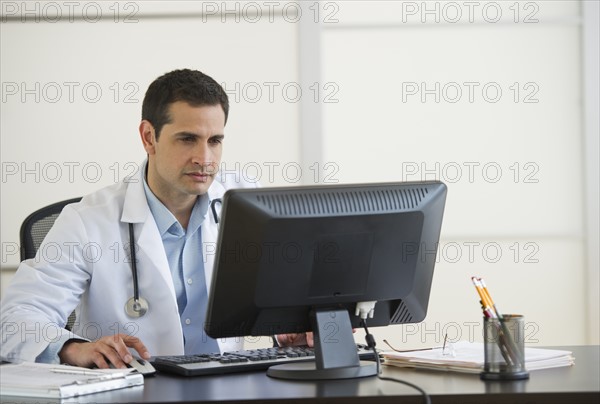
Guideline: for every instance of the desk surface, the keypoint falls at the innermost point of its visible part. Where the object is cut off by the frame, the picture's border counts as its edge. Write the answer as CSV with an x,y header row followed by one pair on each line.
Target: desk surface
x,y
576,384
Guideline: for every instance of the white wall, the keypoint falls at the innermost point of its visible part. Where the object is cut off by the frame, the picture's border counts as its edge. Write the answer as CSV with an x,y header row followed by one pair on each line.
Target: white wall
x,y
57,145
510,151
515,166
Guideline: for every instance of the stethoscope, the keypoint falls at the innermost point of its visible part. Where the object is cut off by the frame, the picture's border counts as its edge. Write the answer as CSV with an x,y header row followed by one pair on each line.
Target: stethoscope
x,y
137,306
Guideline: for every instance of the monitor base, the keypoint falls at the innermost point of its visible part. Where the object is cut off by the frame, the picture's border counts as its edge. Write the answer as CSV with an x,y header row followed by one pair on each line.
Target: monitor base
x,y
309,371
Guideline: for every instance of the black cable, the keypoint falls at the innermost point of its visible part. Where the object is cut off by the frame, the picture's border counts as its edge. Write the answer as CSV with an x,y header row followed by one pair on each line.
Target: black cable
x,y
371,344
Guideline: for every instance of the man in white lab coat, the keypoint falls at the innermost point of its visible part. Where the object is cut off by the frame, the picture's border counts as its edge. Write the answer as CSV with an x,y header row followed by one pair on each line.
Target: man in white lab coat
x,y
168,202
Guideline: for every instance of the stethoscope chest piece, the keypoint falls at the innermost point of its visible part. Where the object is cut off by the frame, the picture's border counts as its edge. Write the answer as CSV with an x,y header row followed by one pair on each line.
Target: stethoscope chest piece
x,y
136,308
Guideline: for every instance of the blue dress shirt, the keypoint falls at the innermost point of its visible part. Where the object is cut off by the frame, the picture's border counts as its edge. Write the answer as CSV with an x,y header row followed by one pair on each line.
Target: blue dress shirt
x,y
184,254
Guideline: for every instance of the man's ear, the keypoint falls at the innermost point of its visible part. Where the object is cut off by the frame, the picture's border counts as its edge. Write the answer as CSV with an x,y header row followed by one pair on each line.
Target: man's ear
x,y
148,136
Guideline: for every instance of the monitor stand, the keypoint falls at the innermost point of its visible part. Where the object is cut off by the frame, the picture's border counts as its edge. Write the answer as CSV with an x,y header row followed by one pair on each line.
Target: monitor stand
x,y
336,356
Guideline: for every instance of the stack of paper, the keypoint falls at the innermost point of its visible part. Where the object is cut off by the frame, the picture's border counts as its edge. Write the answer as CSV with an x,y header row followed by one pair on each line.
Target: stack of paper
x,y
468,357
61,381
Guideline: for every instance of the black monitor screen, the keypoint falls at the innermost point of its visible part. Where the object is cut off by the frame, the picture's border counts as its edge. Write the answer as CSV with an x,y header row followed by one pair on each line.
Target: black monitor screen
x,y
285,253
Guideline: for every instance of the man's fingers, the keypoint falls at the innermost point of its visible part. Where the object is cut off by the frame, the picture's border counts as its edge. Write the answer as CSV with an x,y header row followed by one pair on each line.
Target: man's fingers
x,y
138,345
115,350
296,339
310,339
100,360
286,339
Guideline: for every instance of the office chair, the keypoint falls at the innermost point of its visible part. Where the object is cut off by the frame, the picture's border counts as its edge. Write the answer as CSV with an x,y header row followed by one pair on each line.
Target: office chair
x,y
34,230
36,226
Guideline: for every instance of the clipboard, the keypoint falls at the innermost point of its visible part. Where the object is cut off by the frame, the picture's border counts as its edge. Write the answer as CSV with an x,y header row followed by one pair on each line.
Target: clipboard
x,y
62,381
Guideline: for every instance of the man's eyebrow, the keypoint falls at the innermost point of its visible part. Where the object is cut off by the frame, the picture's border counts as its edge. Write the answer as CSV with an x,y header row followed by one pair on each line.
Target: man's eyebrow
x,y
184,133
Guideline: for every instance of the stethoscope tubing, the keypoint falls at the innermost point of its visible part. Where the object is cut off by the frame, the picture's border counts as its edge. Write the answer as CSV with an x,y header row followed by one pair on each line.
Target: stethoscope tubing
x,y
214,209
136,306
134,271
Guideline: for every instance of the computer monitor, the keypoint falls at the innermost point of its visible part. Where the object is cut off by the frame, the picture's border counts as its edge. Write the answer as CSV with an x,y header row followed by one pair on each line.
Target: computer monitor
x,y
296,259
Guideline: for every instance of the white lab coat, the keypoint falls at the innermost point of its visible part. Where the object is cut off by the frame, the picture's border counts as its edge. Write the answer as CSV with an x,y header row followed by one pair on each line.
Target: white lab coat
x,y
84,265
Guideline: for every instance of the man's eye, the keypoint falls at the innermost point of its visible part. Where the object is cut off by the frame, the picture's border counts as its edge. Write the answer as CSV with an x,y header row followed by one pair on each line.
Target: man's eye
x,y
216,140
188,139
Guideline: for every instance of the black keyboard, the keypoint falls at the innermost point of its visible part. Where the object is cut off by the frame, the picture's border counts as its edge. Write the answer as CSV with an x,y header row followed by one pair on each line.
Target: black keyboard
x,y
241,361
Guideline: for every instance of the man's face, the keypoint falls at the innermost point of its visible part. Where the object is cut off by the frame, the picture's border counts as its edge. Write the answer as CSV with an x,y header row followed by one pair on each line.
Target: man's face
x,y
183,162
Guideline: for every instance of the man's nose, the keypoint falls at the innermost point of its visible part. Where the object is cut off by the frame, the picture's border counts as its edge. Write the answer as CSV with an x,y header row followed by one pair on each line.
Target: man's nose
x,y
203,155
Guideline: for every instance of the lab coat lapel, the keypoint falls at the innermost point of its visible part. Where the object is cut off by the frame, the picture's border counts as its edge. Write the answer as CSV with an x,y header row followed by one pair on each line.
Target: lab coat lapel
x,y
151,254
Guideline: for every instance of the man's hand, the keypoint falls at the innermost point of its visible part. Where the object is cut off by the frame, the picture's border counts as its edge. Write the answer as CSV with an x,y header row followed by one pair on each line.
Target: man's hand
x,y
295,339
298,339
108,349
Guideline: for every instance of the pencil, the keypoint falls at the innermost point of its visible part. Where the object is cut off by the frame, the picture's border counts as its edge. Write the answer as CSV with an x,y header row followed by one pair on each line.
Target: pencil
x,y
505,343
514,351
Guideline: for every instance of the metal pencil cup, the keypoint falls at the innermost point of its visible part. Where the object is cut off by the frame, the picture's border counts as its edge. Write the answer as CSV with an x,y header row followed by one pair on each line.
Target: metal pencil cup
x,y
504,348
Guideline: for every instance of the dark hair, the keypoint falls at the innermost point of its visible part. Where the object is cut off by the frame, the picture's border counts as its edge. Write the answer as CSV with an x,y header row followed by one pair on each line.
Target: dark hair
x,y
191,86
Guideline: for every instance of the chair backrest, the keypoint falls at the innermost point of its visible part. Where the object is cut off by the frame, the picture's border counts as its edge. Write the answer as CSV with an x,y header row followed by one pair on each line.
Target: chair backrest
x,y
34,230
36,226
